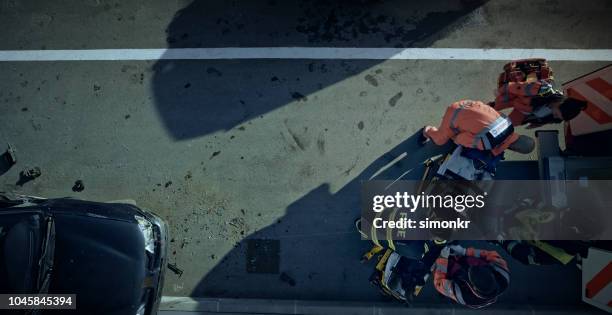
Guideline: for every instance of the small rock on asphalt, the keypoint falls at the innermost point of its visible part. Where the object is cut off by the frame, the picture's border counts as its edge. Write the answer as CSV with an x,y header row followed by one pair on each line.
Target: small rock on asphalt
x,y
78,186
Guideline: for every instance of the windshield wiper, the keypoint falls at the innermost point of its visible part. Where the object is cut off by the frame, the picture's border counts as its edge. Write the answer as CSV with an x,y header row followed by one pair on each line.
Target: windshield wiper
x,y
45,264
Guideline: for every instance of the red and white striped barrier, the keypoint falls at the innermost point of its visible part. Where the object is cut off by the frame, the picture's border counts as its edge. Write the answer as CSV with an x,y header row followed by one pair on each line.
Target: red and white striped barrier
x,y
596,89
597,279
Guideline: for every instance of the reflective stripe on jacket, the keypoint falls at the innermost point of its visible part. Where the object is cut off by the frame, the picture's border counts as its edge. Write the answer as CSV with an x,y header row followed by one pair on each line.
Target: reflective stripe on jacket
x,y
467,124
443,276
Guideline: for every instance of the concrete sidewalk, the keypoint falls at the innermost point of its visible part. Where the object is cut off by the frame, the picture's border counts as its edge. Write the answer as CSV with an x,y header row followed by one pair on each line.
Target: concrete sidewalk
x,y
201,306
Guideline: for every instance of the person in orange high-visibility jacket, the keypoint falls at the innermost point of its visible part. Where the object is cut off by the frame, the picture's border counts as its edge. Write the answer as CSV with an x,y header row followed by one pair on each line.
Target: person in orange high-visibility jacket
x,y
536,103
476,125
471,277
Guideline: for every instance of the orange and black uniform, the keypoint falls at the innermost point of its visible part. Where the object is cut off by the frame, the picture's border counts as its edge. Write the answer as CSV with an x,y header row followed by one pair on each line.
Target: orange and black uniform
x,y
519,96
470,124
446,270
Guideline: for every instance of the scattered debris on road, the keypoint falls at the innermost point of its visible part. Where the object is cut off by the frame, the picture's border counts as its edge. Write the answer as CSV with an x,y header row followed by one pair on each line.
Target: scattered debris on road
x,y
284,277
214,154
299,96
211,70
78,186
371,80
177,271
395,98
7,159
31,172
9,155
28,174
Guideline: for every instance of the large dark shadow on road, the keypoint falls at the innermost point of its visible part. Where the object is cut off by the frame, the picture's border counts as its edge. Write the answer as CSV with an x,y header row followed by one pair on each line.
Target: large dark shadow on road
x,y
319,246
199,97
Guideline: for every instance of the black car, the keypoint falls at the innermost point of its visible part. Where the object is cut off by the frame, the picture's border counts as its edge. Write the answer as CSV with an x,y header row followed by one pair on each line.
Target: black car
x,y
111,255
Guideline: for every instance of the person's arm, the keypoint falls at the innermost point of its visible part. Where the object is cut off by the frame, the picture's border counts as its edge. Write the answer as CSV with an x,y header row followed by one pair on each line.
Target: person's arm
x,y
441,281
520,251
444,133
511,90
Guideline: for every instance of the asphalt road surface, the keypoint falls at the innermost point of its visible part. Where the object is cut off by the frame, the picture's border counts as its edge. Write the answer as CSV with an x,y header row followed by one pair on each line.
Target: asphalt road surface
x,y
232,150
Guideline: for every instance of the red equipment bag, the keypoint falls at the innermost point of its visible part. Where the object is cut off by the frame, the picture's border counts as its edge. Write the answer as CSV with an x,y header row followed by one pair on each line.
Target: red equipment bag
x,y
520,70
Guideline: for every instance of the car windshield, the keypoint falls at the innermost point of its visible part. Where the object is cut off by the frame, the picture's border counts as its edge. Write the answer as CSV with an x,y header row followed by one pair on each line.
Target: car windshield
x,y
33,236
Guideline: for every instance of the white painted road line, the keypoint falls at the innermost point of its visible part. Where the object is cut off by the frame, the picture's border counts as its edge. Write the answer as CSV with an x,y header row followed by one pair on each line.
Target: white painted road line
x,y
307,53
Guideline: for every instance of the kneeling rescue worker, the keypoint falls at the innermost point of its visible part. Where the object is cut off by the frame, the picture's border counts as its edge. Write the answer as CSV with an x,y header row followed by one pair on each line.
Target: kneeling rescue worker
x,y
476,125
471,277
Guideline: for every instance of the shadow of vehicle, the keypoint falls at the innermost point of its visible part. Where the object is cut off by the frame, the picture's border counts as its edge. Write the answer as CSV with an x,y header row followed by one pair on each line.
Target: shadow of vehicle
x,y
199,97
